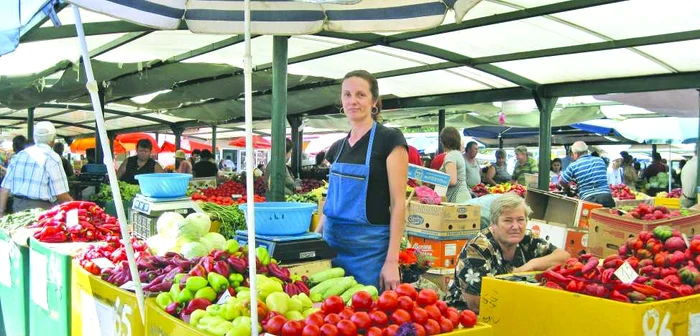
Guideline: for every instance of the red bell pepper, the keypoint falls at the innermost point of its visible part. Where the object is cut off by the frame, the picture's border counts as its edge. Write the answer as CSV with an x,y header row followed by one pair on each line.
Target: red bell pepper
x,y
617,296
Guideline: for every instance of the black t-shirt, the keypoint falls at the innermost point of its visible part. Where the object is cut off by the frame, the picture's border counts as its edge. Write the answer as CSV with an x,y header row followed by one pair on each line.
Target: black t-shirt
x,y
385,140
205,169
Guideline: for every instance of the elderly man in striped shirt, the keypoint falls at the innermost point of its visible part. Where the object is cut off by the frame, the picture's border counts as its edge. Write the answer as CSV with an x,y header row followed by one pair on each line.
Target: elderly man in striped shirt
x,y
590,174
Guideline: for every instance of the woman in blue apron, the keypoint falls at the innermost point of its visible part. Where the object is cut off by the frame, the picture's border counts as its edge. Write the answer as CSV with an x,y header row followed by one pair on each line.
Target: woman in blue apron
x,y
365,209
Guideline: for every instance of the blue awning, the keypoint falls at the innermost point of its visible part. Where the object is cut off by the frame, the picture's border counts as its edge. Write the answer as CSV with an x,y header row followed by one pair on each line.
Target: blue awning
x,y
14,15
492,132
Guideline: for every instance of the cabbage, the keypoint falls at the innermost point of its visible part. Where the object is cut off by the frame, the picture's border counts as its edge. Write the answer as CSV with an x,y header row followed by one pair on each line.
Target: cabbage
x,y
160,245
214,240
201,220
179,242
167,224
193,249
189,229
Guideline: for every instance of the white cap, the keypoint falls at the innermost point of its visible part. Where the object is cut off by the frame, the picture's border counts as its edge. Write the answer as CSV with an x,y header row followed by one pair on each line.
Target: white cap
x,y
44,132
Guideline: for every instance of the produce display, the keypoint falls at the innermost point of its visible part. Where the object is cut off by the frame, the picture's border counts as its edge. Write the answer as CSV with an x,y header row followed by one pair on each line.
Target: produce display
x,y
665,265
427,195
481,189
75,221
110,254
231,187
313,196
127,190
308,185
675,193
230,217
658,181
401,312
189,235
648,212
19,219
334,282
623,192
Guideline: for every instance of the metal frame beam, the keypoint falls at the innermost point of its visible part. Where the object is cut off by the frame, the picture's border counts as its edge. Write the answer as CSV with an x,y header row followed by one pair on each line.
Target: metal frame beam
x,y
63,123
107,110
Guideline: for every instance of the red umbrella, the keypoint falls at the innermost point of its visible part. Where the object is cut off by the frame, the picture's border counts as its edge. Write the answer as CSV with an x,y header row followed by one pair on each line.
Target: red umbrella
x,y
169,148
192,145
79,146
258,142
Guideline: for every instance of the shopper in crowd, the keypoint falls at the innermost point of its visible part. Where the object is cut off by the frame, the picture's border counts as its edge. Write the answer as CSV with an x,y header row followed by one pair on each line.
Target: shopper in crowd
x,y
205,167
194,157
629,172
228,163
555,170
90,157
437,161
19,143
567,159
182,165
141,163
615,171
504,247
35,178
289,185
498,172
655,167
590,174
689,182
454,165
321,159
524,165
58,148
472,169
365,209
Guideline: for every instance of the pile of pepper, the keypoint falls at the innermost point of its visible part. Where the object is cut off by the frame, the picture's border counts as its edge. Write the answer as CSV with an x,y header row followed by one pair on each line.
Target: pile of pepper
x,y
666,267
113,250
76,221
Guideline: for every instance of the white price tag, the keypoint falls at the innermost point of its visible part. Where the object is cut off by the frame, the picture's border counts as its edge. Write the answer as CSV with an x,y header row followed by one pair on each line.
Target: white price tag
x,y
103,263
110,320
72,218
129,285
686,240
224,297
39,279
5,278
694,324
626,273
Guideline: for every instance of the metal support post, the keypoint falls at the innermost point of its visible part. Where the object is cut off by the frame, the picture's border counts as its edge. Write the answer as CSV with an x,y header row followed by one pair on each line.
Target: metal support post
x,y
546,106
297,136
441,126
30,125
277,172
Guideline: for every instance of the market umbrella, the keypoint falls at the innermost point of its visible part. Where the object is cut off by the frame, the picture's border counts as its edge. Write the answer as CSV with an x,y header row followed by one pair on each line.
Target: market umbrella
x,y
186,146
258,142
169,147
129,140
79,146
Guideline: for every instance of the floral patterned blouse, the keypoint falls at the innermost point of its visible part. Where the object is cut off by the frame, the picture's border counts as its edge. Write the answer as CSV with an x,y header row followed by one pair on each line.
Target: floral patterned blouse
x,y
482,256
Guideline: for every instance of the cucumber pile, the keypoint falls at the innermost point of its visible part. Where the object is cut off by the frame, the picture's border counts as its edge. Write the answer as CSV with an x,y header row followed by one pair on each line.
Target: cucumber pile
x,y
334,282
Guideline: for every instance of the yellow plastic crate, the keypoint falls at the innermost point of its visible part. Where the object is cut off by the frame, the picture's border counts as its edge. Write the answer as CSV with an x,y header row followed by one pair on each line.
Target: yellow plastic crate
x,y
480,329
670,203
160,323
101,308
515,308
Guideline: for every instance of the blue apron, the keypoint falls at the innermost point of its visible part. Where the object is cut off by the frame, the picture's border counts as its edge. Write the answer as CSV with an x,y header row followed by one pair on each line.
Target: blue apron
x,y
361,246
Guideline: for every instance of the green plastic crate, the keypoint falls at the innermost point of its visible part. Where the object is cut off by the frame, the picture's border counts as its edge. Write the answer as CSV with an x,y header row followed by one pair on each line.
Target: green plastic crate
x,y
50,288
14,287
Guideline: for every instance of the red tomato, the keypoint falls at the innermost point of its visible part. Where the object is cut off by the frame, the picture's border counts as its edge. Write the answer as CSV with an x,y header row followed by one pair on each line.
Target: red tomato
x,y
374,331
400,317
453,309
442,305
315,319
467,318
420,331
333,304
427,297
432,327
446,325
405,303
329,330
361,320
454,317
346,314
387,301
292,328
312,330
332,318
379,318
407,290
275,324
347,328
391,330
419,315
433,312
361,301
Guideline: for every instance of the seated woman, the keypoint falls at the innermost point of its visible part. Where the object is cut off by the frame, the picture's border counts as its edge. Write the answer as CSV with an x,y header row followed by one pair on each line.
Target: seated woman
x,y
502,248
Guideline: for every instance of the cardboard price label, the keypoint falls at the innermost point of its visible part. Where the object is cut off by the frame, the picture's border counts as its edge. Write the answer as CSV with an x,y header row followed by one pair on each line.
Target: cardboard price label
x,y
432,176
626,273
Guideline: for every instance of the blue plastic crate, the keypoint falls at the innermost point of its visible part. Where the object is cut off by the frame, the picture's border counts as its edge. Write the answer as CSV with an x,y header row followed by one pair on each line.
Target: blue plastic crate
x,y
281,218
162,185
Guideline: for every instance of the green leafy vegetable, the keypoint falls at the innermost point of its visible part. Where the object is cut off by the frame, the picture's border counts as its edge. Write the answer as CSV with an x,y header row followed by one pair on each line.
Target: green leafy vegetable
x,y
127,190
230,217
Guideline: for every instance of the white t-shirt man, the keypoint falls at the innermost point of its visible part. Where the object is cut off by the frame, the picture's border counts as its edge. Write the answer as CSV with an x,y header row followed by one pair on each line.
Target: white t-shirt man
x,y
688,182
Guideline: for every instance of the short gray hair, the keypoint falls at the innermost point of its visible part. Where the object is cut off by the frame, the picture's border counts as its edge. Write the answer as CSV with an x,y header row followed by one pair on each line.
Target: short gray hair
x,y
579,147
521,149
507,202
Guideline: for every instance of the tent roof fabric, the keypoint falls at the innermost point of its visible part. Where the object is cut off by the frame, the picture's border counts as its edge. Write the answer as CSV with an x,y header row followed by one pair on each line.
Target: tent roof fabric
x,y
499,51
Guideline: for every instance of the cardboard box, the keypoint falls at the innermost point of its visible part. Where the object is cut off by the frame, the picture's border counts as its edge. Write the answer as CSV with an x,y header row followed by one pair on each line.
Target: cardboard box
x,y
442,277
553,233
506,305
608,231
446,221
576,242
558,209
445,252
308,268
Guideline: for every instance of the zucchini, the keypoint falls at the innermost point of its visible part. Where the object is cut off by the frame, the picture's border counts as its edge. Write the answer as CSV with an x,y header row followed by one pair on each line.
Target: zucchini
x,y
336,272
347,295
323,286
339,287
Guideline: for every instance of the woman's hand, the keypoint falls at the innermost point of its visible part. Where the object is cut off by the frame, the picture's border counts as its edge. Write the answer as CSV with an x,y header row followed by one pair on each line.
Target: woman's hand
x,y
389,277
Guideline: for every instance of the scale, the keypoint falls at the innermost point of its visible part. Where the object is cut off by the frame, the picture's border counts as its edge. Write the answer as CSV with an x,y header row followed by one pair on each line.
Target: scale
x,y
292,249
146,210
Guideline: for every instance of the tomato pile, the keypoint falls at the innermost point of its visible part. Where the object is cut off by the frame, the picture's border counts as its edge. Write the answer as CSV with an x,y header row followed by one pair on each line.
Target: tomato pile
x,y
113,250
621,191
75,221
666,268
647,212
404,311
226,189
220,200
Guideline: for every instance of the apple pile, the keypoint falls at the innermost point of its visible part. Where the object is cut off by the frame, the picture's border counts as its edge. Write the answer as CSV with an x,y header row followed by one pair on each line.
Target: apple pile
x,y
621,191
649,212
403,311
